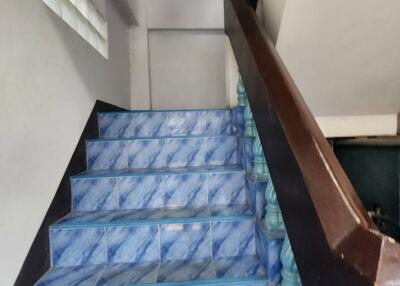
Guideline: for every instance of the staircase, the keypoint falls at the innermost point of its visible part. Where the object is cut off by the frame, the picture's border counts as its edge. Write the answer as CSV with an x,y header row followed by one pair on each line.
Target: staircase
x,y
168,198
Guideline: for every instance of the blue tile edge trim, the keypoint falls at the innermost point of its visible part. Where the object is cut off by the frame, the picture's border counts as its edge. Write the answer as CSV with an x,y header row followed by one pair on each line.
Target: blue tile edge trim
x,y
211,282
168,110
160,138
137,173
153,222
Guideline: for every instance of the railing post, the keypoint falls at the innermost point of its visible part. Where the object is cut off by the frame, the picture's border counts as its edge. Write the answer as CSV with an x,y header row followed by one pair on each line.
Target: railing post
x,y
290,274
241,92
273,218
259,164
249,125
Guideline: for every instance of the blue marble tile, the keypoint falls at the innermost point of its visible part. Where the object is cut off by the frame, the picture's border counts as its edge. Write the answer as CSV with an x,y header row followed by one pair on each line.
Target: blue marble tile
x,y
233,238
77,218
148,124
268,250
133,244
106,155
185,190
184,123
241,152
250,199
74,247
71,276
185,152
235,267
142,192
185,241
217,122
113,125
129,274
232,210
181,271
221,150
94,194
146,154
248,154
256,195
226,189
238,119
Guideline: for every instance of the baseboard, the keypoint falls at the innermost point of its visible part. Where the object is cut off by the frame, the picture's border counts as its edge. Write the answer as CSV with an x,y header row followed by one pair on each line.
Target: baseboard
x,y
356,126
37,262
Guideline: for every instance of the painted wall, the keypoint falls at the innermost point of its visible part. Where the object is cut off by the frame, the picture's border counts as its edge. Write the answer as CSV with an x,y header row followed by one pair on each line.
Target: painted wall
x,y
344,57
49,81
271,13
178,54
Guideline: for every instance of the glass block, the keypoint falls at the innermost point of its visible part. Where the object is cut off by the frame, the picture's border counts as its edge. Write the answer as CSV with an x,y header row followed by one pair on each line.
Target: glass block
x,y
82,6
68,13
54,5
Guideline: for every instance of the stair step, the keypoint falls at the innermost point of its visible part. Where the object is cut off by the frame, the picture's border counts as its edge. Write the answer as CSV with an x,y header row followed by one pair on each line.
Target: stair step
x,y
162,152
246,270
83,238
149,189
165,123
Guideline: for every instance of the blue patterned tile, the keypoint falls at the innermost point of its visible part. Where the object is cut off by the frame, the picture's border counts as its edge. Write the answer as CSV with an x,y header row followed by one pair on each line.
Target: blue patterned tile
x,y
185,152
106,155
238,119
256,195
181,271
233,238
148,124
146,154
133,244
129,274
226,189
185,241
221,151
184,123
144,192
80,218
113,125
234,267
268,250
94,194
232,210
248,154
71,276
241,152
185,190
73,247
217,122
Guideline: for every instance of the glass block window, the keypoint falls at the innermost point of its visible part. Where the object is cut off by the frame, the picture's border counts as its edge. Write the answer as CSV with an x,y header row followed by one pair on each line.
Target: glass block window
x,y
83,17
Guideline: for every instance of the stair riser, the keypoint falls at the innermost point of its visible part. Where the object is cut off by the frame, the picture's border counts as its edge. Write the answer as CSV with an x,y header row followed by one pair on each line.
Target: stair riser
x,y
139,243
162,153
268,247
162,123
194,190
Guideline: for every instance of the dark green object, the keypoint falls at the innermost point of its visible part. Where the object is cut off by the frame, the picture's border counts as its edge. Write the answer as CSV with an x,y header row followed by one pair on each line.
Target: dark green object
x,y
373,167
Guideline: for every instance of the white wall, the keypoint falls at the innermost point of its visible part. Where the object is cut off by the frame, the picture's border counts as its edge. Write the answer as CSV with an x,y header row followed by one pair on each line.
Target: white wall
x,y
49,81
271,13
170,64
187,69
344,56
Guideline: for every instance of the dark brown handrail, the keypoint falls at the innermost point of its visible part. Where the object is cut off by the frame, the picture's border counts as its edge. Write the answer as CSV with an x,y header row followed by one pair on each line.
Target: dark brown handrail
x,y
334,240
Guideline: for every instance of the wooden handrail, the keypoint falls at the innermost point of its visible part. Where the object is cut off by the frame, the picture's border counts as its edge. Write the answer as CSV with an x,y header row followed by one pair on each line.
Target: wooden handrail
x,y
334,240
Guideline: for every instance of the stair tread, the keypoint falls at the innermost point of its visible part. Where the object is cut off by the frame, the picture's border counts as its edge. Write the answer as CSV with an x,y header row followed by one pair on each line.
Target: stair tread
x,y
149,171
167,110
245,270
154,216
174,137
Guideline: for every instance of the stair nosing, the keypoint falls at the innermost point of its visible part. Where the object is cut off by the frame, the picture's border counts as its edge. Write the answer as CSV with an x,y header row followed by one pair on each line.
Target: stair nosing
x,y
141,222
167,110
163,138
142,172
